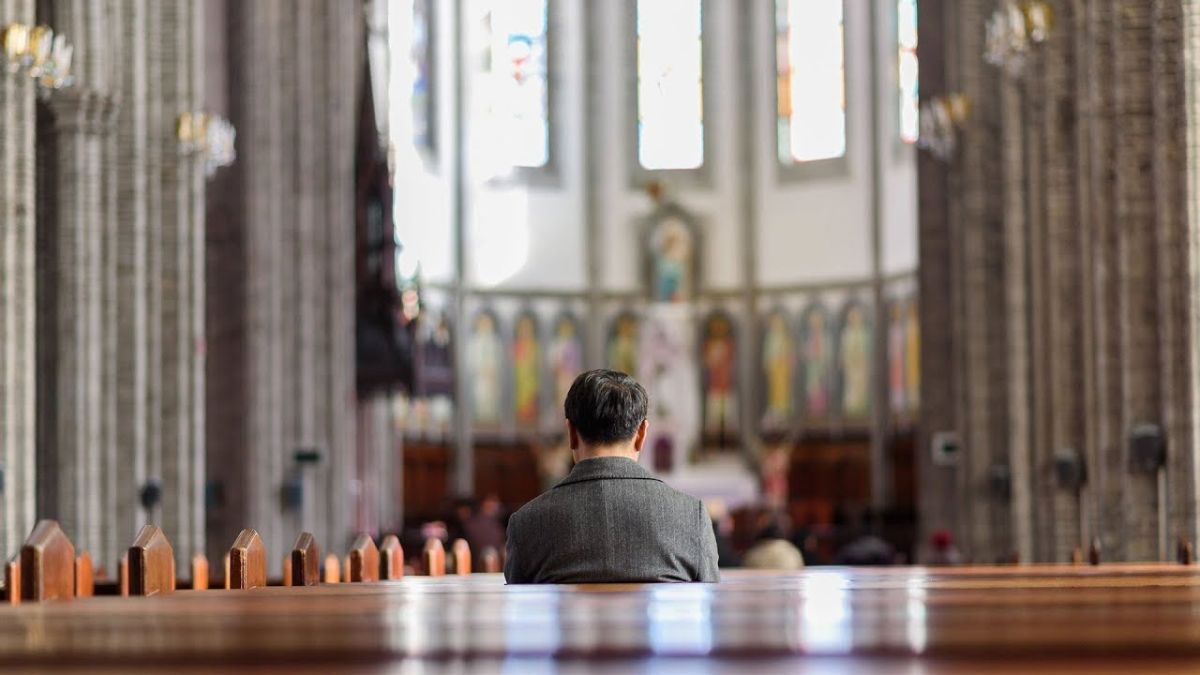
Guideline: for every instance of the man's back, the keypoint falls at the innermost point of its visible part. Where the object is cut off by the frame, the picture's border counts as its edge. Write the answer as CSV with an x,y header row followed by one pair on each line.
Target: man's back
x,y
610,520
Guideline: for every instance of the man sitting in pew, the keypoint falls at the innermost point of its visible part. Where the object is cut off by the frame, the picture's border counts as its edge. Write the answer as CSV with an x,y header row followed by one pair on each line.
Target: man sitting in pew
x,y
610,520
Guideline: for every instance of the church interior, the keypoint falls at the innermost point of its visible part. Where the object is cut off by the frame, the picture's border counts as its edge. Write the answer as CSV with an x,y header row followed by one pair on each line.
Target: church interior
x,y
913,287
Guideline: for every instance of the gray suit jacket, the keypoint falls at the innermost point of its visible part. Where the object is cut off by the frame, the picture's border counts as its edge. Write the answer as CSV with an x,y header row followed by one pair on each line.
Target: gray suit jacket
x,y
610,520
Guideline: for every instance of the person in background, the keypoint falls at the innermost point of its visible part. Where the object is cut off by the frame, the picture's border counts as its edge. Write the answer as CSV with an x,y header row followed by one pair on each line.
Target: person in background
x,y
483,528
772,550
944,551
723,531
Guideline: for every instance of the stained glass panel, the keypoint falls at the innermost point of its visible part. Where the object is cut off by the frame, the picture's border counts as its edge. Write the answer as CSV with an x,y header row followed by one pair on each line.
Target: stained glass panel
x,y
810,80
670,93
906,33
518,97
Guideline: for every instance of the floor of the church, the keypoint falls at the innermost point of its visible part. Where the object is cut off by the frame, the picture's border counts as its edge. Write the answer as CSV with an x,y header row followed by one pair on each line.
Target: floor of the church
x,y
1107,619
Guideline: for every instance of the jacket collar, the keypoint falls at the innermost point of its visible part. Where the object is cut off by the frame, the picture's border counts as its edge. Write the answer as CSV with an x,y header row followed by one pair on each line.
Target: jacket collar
x,y
606,468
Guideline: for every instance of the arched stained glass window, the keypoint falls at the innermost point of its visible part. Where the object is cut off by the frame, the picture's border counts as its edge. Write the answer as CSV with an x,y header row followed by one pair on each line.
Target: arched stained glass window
x,y
906,39
810,80
516,92
670,84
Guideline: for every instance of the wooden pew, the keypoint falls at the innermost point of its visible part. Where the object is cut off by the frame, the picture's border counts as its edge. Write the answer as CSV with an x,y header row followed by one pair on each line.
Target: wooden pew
x,y
85,578
305,561
151,563
435,558
12,580
391,559
364,560
333,569
199,572
47,564
490,560
247,561
461,551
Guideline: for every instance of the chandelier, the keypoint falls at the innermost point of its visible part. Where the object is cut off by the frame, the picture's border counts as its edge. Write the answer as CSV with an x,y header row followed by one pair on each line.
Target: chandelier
x,y
1012,31
39,54
210,136
941,119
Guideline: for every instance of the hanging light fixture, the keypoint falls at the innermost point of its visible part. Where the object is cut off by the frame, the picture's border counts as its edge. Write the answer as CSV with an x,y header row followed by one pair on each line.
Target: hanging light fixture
x,y
1012,31
211,136
39,54
942,117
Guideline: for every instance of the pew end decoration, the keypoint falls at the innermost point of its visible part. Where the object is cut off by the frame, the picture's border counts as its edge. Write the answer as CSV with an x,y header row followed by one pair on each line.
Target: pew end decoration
x,y
85,576
305,561
47,564
490,559
364,560
247,561
461,551
12,581
333,569
435,558
391,559
199,572
123,575
151,563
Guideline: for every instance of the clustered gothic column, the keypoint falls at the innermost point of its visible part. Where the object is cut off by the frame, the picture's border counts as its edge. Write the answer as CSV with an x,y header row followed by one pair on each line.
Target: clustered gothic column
x,y
281,241
1075,328
18,364
121,247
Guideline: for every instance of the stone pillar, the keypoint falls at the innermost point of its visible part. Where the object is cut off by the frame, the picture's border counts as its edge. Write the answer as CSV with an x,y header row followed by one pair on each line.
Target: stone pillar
x,y
18,319
1136,192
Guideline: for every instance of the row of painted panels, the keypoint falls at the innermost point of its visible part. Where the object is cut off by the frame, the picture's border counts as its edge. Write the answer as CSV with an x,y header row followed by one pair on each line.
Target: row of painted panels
x,y
813,368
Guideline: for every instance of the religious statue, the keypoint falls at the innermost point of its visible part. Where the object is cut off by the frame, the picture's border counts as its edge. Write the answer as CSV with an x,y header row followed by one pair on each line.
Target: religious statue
x,y
912,360
525,370
856,364
774,465
817,364
485,354
566,358
779,363
672,246
897,391
623,345
720,394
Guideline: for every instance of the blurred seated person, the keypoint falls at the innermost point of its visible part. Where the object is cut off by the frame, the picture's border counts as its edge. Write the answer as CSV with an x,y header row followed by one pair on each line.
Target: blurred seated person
x,y
773,551
944,551
866,550
483,527
610,520
723,531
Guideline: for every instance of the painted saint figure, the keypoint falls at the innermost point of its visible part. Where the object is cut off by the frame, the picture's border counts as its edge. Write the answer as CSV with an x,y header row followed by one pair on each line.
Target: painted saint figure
x,y
720,395
672,261
779,364
525,371
485,355
912,361
897,391
817,364
623,346
856,364
566,360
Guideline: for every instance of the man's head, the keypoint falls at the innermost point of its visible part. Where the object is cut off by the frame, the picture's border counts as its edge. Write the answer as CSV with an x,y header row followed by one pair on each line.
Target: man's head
x,y
606,415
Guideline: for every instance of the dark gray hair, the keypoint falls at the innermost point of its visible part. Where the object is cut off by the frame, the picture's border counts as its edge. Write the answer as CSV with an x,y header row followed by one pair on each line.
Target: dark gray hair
x,y
606,407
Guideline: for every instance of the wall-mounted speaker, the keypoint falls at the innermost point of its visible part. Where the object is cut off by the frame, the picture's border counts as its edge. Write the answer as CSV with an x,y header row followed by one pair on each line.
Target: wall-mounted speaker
x,y
1147,449
1070,471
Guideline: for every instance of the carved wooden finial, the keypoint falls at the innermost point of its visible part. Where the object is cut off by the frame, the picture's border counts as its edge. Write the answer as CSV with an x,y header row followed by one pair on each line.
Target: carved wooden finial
x,y
199,572
346,569
490,560
1094,551
12,581
47,564
285,568
364,559
391,559
151,563
248,561
333,569
225,563
85,577
461,551
435,558
305,561
1077,556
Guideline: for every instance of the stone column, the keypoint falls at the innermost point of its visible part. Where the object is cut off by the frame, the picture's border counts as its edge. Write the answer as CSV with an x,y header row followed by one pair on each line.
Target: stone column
x,y
1136,192
18,360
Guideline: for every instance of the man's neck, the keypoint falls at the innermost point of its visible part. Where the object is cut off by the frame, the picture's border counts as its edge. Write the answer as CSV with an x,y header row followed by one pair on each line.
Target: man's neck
x,y
626,452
